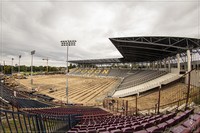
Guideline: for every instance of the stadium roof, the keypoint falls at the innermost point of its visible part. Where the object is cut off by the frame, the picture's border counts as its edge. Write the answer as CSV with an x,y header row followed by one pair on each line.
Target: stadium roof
x,y
147,48
140,49
98,61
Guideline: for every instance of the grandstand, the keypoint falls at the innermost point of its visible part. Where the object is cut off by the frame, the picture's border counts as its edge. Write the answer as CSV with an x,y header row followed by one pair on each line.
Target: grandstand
x,y
145,91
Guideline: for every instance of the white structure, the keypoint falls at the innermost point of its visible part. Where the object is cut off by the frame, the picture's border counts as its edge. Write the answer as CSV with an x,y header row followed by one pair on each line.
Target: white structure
x,y
170,77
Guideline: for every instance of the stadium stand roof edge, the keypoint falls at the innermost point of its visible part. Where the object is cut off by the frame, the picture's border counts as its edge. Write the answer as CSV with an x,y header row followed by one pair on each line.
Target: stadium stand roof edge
x,y
146,48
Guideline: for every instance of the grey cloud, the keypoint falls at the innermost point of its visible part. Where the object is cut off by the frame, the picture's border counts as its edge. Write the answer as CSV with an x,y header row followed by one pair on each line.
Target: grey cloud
x,y
42,25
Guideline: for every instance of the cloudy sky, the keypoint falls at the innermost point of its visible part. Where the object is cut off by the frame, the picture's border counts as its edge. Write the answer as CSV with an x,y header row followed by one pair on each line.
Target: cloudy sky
x,y
41,24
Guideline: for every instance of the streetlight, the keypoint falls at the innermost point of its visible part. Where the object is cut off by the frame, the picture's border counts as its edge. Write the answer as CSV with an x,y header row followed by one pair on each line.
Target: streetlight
x,y
1,65
12,66
47,63
19,64
4,63
67,43
32,53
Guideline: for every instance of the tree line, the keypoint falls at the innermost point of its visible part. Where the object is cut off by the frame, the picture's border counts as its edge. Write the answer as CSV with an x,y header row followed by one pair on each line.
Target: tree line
x,y
7,69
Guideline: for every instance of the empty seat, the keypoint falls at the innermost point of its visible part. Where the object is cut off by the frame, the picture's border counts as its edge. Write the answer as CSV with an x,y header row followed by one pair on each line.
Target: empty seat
x,y
127,129
116,131
137,127
153,129
180,129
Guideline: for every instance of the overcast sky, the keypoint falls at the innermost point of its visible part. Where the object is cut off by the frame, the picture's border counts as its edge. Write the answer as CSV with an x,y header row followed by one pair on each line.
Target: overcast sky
x,y
41,24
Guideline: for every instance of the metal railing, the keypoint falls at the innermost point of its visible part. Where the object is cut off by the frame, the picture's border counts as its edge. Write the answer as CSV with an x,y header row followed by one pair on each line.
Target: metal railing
x,y
11,122
176,95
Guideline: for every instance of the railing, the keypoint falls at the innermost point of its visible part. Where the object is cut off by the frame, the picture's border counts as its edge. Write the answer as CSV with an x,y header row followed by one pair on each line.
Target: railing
x,y
176,95
25,122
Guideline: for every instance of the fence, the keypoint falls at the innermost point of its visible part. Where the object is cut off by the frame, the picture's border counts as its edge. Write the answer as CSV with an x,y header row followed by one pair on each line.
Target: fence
x,y
25,122
176,95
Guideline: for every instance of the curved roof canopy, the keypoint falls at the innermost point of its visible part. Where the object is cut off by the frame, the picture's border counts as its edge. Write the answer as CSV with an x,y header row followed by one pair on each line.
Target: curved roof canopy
x,y
145,48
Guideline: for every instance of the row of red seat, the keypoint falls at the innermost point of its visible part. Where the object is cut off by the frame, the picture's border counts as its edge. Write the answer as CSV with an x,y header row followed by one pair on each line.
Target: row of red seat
x,y
147,124
85,111
190,125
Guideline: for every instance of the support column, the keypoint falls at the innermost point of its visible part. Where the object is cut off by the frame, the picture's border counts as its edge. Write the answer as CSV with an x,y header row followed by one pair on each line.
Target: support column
x,y
178,63
160,63
136,105
153,65
157,65
165,64
159,99
189,60
169,65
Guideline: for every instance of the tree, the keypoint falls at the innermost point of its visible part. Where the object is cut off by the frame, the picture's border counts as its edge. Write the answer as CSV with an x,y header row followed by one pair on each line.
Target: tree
x,y
7,69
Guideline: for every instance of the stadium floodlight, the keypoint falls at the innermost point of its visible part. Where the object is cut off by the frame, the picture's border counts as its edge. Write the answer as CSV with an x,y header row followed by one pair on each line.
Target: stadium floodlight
x,y
12,67
67,43
47,63
19,64
32,53
4,64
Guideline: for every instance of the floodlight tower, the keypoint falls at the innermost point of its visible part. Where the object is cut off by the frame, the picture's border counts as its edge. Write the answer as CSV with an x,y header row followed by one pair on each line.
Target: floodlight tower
x,y
19,64
4,63
47,63
67,43
12,66
32,53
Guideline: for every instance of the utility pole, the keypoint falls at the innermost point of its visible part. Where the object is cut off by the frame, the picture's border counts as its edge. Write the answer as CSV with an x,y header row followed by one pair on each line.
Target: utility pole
x,y
32,53
12,67
19,64
47,63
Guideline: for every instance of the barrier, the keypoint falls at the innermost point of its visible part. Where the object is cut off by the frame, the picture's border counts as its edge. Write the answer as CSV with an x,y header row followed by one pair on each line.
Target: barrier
x,y
25,122
171,96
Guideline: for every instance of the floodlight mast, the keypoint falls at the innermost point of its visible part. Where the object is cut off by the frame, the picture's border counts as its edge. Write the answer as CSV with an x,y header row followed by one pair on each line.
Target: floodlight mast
x,y
19,64
47,63
4,63
32,53
67,43
12,67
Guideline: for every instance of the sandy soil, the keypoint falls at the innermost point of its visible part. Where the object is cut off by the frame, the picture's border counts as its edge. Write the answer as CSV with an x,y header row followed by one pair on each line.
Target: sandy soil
x,y
84,90
168,95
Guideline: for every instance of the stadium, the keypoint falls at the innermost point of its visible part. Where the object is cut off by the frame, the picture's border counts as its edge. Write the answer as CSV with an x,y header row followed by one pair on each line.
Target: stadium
x,y
154,87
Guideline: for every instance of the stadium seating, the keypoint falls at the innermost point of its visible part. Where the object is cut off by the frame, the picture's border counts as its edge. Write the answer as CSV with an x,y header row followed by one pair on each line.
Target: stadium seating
x,y
118,72
132,81
104,72
44,97
100,72
3,104
28,103
7,96
190,125
84,111
73,70
148,124
167,78
140,77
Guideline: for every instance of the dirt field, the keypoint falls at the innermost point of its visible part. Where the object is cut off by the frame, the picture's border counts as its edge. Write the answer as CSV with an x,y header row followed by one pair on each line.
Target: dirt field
x,y
84,90
168,95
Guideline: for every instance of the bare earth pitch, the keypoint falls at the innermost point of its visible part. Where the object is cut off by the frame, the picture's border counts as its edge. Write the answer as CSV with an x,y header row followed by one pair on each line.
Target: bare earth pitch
x,y
83,90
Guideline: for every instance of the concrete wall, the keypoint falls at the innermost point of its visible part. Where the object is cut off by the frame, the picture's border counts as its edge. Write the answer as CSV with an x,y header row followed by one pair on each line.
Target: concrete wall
x,y
175,70
195,78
